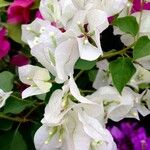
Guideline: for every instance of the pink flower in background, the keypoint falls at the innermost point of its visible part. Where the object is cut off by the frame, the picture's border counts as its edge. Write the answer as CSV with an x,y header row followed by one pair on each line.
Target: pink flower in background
x,y
137,6
38,15
4,43
19,60
19,11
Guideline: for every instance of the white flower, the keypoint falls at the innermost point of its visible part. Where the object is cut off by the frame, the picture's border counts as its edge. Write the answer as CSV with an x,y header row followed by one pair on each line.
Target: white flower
x,y
3,97
100,137
145,62
50,10
141,76
68,125
113,7
66,55
59,12
87,28
31,32
116,106
143,105
38,78
103,77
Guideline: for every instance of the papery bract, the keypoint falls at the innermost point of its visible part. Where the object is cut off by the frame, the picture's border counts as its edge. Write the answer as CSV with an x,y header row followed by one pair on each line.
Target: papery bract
x,y
19,11
19,60
38,78
3,97
5,44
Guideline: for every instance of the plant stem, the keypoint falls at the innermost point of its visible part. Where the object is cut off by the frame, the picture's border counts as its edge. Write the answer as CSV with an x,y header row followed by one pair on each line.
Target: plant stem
x,y
109,55
78,75
16,119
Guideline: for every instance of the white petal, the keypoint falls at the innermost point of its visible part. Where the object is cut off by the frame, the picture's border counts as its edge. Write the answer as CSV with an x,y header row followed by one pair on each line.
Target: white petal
x,y
50,9
97,22
53,114
66,55
44,56
102,79
30,91
41,136
76,93
88,51
27,72
3,97
113,7
92,127
120,111
145,62
81,139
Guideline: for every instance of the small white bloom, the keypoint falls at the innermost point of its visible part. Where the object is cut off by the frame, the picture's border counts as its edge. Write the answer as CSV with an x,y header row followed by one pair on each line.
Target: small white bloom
x,y
50,10
103,77
141,76
3,97
116,106
143,106
145,62
113,7
38,79
31,32
66,55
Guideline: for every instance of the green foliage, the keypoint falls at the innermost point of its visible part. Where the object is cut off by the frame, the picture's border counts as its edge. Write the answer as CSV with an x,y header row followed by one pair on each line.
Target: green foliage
x,y
4,3
84,64
12,141
92,75
142,47
14,32
121,70
16,106
127,24
5,125
6,81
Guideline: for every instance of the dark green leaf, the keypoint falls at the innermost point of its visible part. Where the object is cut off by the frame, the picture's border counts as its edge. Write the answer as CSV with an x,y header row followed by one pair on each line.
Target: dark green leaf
x,y
5,125
16,106
84,64
127,24
12,141
92,75
6,81
121,70
142,47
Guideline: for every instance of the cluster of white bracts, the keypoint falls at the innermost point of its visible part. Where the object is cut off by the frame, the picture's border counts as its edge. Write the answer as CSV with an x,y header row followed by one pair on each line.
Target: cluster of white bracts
x,y
72,121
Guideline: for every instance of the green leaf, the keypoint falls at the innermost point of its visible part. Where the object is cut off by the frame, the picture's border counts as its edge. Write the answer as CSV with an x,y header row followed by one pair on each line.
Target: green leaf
x,y
36,4
127,24
121,70
142,47
14,32
12,141
41,96
84,64
6,81
5,125
4,3
92,75
15,105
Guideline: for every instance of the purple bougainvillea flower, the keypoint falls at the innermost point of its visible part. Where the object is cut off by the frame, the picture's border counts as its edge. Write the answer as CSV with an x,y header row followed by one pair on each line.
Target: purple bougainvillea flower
x,y
129,136
4,43
19,11
137,6
19,60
